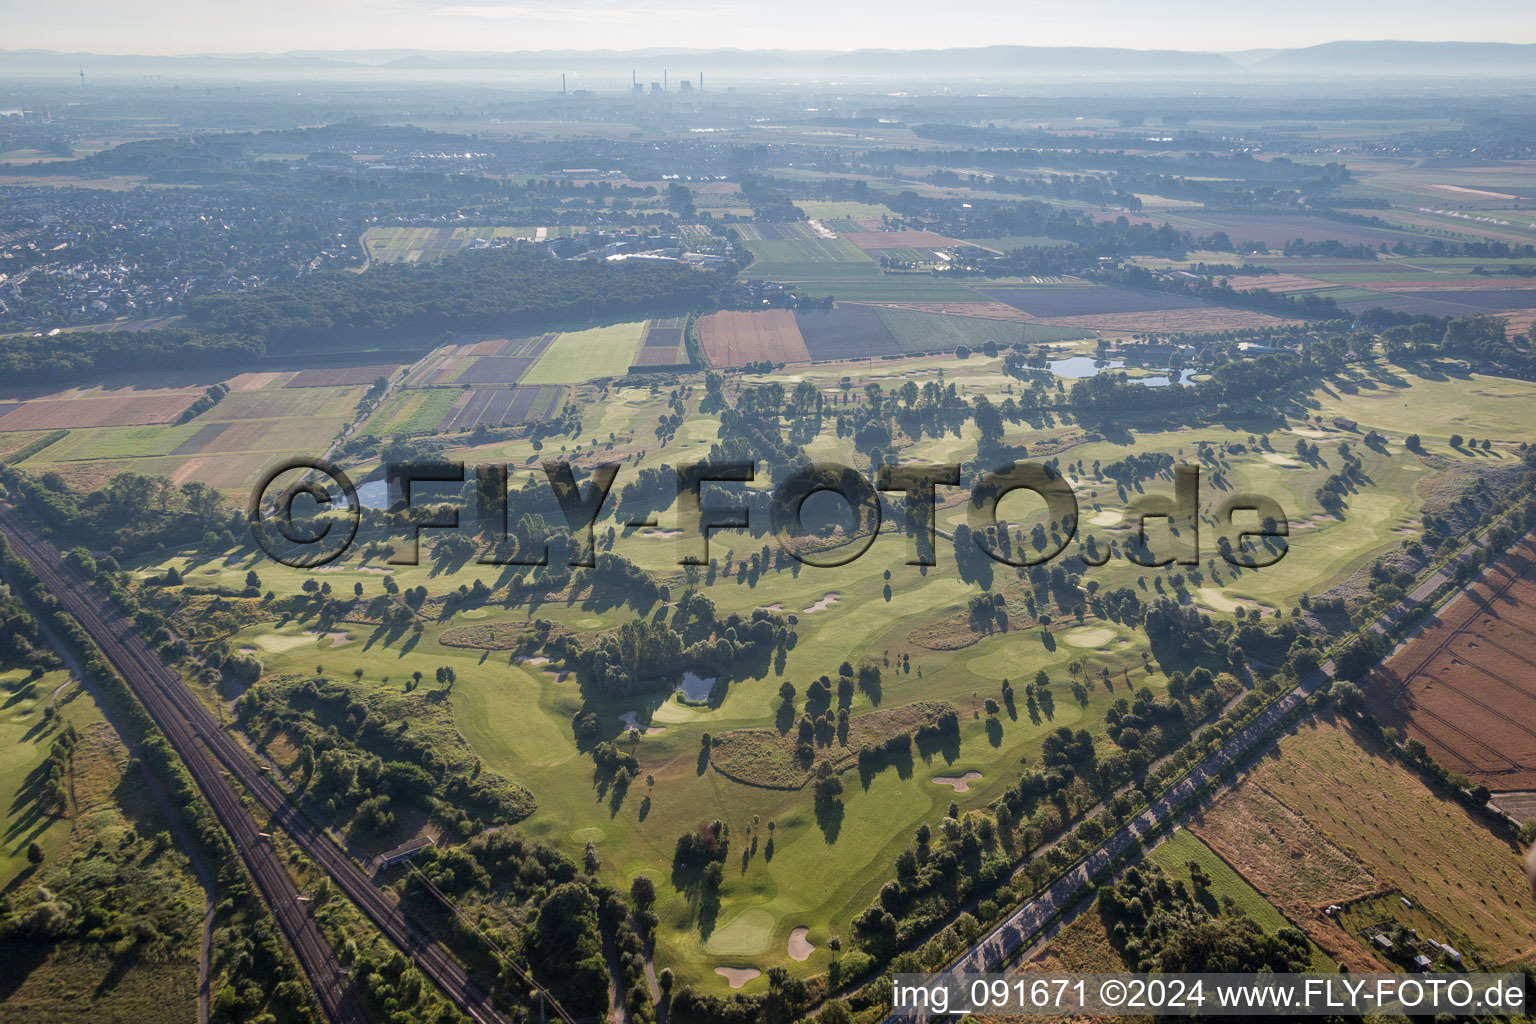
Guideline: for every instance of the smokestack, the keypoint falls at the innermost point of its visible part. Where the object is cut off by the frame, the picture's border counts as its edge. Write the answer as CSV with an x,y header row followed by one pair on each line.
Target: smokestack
x,y
562,83
634,79
701,81
663,79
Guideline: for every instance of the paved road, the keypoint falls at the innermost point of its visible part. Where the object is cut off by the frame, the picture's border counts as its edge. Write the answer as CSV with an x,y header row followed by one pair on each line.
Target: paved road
x,y
191,729
1017,929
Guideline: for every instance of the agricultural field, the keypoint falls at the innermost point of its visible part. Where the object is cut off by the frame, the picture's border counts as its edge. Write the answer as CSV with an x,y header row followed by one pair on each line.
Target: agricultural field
x,y
1276,230
263,418
577,356
663,345
735,339
1425,846
500,407
1463,687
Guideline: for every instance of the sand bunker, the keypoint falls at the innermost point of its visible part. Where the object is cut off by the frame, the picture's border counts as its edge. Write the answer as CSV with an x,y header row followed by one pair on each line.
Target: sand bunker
x,y
536,660
800,947
825,602
958,783
1281,460
1108,517
1090,636
1215,600
274,644
738,976
336,639
630,722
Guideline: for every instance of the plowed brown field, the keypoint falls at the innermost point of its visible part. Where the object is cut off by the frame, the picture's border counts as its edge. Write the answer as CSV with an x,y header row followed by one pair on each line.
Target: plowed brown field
x,y
1466,687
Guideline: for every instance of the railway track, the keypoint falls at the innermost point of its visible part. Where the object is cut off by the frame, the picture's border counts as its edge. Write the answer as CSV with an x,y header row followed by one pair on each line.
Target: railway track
x,y
206,748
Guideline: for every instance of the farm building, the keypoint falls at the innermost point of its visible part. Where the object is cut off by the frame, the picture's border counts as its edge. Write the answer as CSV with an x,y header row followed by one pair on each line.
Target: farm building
x,y
403,852
1344,423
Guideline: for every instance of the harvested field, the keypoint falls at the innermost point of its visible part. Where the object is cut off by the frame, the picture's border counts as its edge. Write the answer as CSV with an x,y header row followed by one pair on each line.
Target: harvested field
x,y
285,403
1203,318
846,332
1493,300
67,413
768,758
500,407
1410,839
1277,230
1277,283
1288,861
1420,303
734,339
980,309
256,381
1052,303
341,376
1466,686
935,332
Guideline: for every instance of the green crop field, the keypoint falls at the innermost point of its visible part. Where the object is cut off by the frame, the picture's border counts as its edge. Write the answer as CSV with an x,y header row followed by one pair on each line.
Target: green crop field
x,y
807,250
577,356
825,210
415,411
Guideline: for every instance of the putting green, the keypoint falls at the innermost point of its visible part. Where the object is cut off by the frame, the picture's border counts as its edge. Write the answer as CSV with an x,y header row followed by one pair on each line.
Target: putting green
x,y
1090,636
745,934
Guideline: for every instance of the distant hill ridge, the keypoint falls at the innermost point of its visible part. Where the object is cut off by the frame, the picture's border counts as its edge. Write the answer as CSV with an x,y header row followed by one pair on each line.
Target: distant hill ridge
x,y
1343,58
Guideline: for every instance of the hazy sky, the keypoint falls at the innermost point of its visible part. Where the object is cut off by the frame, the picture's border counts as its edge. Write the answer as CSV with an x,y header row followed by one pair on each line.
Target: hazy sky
x,y
185,26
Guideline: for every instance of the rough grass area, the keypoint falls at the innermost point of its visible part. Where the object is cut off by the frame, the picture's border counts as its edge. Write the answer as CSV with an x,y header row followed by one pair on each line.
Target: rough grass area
x,y
1381,814
486,636
138,963
766,757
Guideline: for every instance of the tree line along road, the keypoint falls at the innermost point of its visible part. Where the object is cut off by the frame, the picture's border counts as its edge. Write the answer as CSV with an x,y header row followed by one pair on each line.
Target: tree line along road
x,y
1015,931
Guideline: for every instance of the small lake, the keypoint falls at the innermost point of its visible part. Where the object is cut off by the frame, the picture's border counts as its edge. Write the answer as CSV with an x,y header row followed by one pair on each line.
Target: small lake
x,y
374,494
695,687
1078,367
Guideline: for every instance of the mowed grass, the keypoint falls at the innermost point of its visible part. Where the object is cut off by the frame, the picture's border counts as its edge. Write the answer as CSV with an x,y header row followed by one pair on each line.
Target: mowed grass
x,y
1427,846
1397,401
822,874
1183,848
578,356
